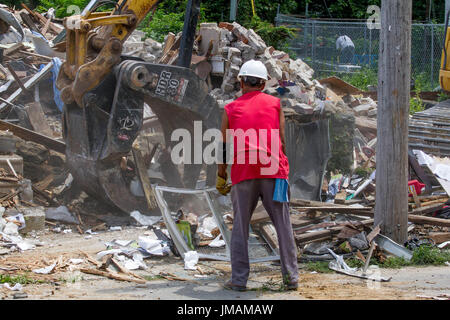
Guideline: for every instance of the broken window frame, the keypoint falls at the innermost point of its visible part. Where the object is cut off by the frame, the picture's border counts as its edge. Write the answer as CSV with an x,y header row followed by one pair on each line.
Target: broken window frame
x,y
176,235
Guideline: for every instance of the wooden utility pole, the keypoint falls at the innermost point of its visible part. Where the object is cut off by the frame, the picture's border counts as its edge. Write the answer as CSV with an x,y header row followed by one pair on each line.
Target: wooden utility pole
x,y
394,74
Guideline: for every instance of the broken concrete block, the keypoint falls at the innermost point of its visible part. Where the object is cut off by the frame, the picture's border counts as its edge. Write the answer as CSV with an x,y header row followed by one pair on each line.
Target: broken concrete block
x,y
209,25
273,69
138,34
34,219
265,55
236,61
240,32
288,103
233,52
133,46
233,70
148,57
247,52
368,101
372,113
302,108
298,66
276,73
255,41
226,25
362,110
225,36
209,32
319,87
289,112
223,51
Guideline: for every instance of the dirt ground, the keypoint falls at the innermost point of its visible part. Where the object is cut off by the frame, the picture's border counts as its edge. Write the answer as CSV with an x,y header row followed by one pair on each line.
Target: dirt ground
x,y
69,283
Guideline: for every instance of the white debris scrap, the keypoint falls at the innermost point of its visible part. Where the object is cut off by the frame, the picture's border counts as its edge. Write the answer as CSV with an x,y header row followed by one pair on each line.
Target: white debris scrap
x,y
16,287
217,242
76,261
45,270
152,246
190,260
143,219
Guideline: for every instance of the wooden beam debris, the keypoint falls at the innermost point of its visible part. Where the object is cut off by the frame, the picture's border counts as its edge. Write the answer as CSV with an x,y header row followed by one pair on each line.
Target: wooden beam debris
x,y
29,135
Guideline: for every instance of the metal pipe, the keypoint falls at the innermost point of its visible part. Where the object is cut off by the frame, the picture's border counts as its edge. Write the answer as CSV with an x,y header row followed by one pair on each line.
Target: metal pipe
x,y
233,10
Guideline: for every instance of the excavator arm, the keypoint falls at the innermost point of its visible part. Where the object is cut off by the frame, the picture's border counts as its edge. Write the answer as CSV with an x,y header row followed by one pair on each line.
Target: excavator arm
x,y
94,44
105,93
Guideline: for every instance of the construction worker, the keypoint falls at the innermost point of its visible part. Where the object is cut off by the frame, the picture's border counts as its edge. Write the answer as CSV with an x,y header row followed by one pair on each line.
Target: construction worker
x,y
347,49
260,113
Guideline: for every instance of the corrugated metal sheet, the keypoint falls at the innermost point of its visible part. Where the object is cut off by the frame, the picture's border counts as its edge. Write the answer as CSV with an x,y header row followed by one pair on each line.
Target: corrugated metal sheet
x,y
429,130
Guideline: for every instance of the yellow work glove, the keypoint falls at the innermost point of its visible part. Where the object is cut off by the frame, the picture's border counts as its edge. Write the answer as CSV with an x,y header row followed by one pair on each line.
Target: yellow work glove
x,y
222,186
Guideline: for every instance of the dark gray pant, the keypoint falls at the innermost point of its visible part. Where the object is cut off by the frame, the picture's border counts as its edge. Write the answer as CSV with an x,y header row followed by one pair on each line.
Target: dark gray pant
x,y
245,196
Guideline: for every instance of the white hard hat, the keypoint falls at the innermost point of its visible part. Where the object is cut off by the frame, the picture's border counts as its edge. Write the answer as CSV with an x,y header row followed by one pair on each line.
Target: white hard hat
x,y
253,68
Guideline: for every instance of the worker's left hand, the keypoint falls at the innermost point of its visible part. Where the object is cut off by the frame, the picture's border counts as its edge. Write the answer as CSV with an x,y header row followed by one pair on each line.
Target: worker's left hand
x,y
222,186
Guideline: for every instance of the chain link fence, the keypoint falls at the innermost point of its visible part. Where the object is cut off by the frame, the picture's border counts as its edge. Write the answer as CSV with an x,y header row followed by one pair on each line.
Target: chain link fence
x,y
315,43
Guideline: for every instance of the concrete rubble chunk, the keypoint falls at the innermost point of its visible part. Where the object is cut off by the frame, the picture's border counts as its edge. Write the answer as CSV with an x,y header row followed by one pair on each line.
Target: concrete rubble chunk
x,y
362,110
372,113
240,32
209,32
234,70
233,52
302,108
255,41
34,219
236,61
208,25
226,25
288,103
248,53
273,69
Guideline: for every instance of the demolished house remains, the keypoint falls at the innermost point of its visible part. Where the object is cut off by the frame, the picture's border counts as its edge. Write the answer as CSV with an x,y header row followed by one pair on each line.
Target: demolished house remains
x,y
331,134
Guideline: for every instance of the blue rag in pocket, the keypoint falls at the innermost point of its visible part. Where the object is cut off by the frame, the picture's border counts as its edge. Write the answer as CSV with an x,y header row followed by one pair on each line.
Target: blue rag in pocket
x,y
280,194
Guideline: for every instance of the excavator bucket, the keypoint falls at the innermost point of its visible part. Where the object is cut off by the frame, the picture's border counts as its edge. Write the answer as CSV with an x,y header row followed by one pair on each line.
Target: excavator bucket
x,y
100,135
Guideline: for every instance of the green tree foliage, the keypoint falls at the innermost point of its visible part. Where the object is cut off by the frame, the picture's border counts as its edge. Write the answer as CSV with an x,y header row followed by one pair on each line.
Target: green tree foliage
x,y
272,36
61,6
161,23
357,9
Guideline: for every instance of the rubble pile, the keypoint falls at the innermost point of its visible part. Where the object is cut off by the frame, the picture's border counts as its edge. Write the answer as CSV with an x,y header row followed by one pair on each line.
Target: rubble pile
x,y
148,49
228,46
